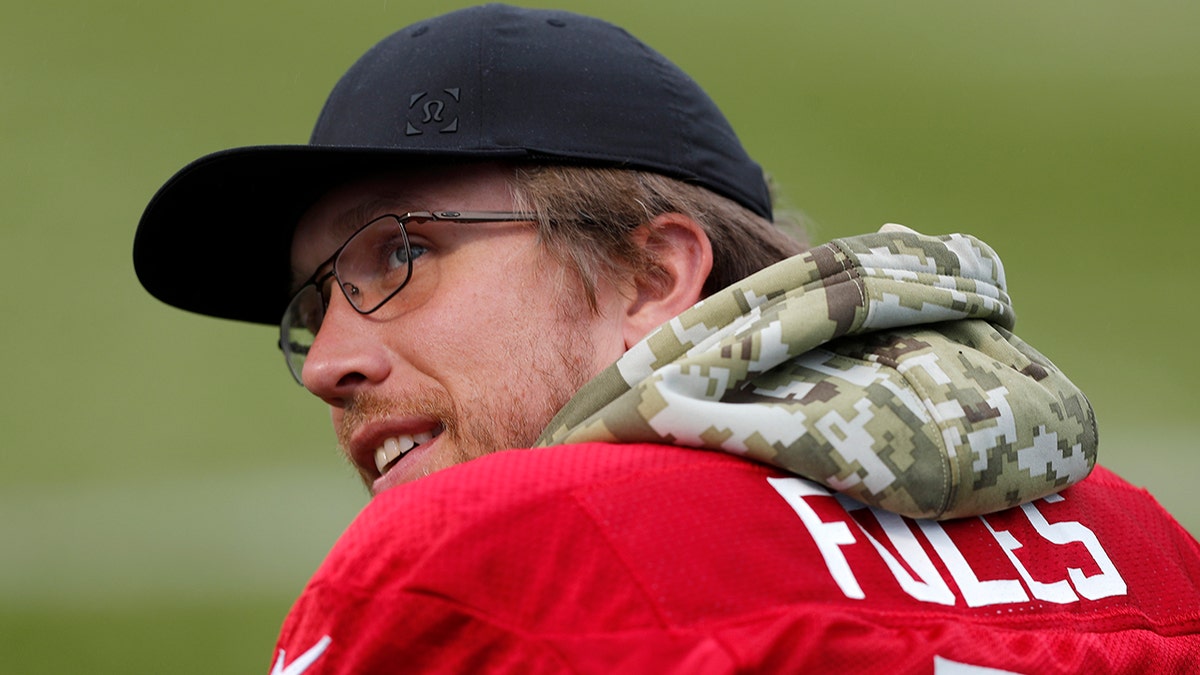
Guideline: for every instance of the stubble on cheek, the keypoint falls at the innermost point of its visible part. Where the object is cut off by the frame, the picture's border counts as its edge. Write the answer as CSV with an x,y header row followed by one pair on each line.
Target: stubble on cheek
x,y
368,408
493,416
471,430
492,420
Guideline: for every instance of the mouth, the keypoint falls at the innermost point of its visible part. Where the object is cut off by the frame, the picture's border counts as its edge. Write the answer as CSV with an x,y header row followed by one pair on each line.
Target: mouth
x,y
394,448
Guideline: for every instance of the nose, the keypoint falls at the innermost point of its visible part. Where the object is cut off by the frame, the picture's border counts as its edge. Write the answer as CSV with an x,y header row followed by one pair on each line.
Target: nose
x,y
346,355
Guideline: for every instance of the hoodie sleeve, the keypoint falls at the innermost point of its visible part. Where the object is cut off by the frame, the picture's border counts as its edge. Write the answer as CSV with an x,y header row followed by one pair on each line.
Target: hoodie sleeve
x,y
881,366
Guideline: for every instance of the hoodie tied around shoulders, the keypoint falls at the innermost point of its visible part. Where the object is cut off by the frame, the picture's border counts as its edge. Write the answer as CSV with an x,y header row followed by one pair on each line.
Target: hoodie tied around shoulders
x,y
881,366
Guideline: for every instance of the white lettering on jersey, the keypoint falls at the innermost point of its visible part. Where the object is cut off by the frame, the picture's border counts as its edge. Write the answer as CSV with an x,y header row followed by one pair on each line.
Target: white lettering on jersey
x,y
943,666
303,661
1103,585
930,587
925,582
976,593
1058,592
828,536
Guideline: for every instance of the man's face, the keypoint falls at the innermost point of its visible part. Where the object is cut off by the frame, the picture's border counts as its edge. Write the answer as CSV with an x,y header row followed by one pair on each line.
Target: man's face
x,y
488,340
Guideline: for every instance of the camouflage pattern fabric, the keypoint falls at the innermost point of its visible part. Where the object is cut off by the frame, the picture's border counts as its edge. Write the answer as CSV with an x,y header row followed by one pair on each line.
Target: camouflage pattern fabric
x,y
881,366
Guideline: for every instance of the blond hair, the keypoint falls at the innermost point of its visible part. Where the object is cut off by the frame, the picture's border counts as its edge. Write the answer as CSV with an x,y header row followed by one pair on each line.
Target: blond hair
x,y
585,216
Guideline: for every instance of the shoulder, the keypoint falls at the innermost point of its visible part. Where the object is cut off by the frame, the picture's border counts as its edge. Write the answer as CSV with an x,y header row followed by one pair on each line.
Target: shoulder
x,y
513,509
517,479
493,556
579,554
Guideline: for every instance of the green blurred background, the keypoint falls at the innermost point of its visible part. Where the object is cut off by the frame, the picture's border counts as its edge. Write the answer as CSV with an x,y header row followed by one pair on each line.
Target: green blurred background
x,y
165,489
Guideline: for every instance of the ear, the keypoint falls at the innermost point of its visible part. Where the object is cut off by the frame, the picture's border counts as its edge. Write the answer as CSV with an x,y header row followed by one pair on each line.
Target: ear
x,y
681,257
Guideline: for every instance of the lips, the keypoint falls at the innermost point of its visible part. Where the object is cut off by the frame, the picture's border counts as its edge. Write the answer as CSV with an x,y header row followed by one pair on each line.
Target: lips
x,y
394,448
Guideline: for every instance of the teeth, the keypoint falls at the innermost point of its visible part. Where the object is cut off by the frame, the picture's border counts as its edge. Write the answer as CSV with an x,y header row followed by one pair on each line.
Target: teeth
x,y
391,449
395,447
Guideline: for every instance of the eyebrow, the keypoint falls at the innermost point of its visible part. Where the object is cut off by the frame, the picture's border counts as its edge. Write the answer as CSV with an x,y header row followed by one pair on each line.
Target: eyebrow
x,y
354,218
351,220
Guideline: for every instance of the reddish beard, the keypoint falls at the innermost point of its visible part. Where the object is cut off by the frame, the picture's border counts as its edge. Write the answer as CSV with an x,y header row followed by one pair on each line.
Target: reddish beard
x,y
473,428
488,420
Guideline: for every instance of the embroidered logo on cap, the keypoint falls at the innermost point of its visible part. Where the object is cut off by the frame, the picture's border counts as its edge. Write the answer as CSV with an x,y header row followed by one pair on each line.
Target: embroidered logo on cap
x,y
434,112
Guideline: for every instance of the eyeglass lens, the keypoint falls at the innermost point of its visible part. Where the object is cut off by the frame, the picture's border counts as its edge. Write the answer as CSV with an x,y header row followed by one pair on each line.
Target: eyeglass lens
x,y
371,267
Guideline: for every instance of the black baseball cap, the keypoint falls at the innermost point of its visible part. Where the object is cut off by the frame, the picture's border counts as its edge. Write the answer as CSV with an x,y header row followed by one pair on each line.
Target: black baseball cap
x,y
492,82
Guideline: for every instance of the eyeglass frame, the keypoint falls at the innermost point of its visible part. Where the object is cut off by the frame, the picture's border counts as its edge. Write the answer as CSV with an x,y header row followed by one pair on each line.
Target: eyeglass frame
x,y
318,278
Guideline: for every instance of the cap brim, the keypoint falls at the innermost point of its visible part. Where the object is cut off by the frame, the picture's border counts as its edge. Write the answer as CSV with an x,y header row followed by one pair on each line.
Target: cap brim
x,y
215,238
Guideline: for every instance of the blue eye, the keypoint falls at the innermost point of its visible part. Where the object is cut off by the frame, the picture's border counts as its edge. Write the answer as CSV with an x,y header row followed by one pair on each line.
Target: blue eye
x,y
397,257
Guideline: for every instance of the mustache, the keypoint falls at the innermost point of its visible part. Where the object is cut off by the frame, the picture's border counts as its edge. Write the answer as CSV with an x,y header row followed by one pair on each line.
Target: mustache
x,y
366,408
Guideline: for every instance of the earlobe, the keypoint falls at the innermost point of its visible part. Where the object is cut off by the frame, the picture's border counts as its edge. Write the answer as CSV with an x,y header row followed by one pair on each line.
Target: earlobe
x,y
681,259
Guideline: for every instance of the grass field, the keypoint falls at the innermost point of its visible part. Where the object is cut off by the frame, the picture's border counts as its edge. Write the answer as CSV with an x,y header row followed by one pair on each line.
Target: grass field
x,y
165,489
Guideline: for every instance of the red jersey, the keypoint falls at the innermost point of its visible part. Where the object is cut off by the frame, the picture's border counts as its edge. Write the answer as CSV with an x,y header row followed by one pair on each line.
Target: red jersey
x,y
655,559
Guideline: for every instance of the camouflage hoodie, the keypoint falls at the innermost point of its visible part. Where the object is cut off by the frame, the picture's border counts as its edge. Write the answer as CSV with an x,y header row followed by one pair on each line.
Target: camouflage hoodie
x,y
881,366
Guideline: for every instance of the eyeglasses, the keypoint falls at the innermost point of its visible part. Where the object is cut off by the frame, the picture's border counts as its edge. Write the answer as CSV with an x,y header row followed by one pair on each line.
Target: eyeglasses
x,y
370,267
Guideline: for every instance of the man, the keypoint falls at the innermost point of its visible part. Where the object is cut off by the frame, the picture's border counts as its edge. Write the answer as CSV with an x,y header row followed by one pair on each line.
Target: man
x,y
521,229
